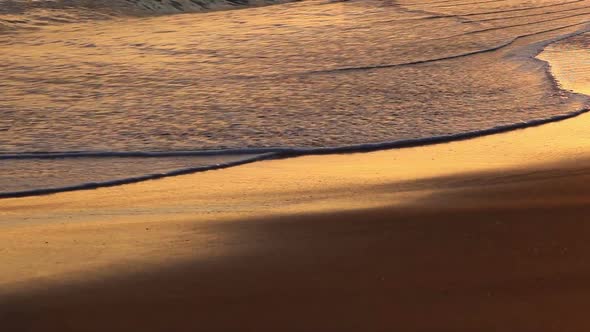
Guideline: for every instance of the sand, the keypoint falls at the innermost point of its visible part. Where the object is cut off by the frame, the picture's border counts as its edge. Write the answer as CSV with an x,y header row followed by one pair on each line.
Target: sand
x,y
488,234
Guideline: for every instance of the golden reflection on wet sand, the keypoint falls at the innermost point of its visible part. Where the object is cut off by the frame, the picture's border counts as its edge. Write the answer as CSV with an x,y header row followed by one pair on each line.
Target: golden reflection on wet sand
x,y
570,63
88,229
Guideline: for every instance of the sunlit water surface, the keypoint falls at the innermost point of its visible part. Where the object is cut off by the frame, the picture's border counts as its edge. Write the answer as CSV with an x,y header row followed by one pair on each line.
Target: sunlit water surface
x,y
570,63
306,74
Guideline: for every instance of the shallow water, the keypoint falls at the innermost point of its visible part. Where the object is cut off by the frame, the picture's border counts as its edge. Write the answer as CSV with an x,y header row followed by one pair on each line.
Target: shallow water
x,y
56,173
307,74
570,63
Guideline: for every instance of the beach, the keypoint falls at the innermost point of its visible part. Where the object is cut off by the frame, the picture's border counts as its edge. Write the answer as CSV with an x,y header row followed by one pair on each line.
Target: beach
x,y
305,166
487,234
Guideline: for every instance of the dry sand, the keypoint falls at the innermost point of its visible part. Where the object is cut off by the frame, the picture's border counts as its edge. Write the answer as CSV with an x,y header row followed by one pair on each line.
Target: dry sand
x,y
489,234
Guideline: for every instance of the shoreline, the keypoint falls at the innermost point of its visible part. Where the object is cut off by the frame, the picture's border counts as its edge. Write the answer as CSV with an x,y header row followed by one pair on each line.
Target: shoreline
x,y
338,182
287,153
468,126
566,131
489,227
479,231
281,153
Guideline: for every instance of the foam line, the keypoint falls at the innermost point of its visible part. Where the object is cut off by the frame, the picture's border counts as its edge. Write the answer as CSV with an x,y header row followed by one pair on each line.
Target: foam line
x,y
521,9
274,153
529,15
434,60
129,180
287,153
460,55
132,154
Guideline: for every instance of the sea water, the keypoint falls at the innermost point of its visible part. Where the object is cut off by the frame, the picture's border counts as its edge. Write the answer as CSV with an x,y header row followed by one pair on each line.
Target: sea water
x,y
93,92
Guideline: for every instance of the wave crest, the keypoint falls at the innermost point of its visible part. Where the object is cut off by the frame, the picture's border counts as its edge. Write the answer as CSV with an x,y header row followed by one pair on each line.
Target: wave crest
x,y
32,14
125,6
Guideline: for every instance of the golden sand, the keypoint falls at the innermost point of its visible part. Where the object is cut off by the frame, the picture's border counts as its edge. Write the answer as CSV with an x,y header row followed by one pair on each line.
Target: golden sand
x,y
486,234
77,232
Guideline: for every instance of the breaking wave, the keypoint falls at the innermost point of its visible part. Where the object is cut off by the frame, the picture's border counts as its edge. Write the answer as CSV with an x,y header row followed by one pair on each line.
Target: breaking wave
x,y
32,14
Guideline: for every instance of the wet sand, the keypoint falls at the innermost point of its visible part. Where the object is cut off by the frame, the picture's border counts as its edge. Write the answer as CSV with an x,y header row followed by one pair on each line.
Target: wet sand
x,y
488,234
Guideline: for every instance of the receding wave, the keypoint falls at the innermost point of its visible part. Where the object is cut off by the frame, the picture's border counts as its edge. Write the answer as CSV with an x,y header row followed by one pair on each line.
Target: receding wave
x,y
283,152
244,156
111,176
104,103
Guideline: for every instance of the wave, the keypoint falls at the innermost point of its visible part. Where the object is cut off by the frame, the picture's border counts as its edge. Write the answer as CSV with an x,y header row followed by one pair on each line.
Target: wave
x,y
264,153
134,179
126,6
18,15
283,152
260,154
